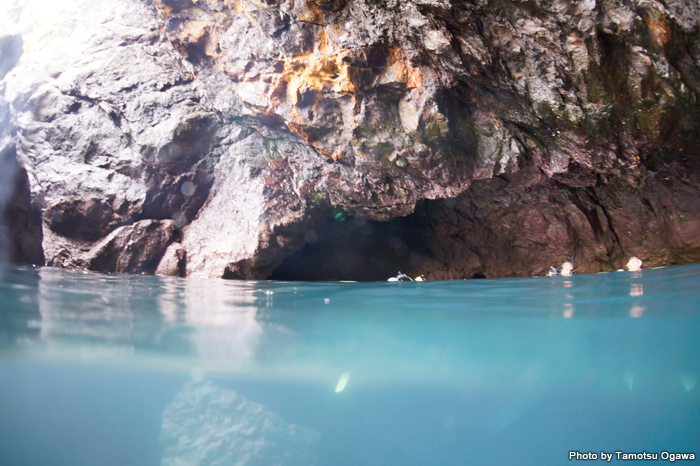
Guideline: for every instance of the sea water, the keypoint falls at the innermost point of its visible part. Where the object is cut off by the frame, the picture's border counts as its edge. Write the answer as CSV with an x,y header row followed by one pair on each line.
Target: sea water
x,y
137,370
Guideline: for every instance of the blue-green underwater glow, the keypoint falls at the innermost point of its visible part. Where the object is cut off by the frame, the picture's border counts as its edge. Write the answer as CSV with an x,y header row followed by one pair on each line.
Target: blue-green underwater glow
x,y
138,370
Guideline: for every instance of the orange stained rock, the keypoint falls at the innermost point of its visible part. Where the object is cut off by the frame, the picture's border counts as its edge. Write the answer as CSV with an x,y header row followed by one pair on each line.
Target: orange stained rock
x,y
328,68
194,31
324,67
576,40
658,27
311,14
166,9
295,124
297,128
202,33
402,68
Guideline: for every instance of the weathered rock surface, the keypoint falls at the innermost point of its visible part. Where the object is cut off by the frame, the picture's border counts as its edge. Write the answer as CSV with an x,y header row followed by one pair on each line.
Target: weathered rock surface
x,y
207,425
217,138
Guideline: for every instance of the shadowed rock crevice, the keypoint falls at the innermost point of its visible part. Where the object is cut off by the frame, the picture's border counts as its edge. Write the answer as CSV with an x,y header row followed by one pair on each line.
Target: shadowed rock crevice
x,y
20,220
136,248
357,249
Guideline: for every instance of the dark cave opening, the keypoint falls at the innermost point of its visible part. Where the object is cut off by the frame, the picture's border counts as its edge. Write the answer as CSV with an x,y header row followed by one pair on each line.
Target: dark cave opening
x,y
357,249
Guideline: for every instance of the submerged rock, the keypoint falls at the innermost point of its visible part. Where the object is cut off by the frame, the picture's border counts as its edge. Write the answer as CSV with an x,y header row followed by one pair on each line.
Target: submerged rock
x,y
206,425
505,135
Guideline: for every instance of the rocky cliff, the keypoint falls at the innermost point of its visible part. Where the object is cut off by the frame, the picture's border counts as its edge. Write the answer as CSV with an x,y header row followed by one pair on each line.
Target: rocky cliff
x,y
348,139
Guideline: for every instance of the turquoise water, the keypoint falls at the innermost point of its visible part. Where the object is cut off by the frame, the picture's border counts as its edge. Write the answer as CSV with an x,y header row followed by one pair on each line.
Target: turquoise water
x,y
138,370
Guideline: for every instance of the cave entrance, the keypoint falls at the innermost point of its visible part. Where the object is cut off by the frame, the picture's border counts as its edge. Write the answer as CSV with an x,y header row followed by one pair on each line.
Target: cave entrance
x,y
357,249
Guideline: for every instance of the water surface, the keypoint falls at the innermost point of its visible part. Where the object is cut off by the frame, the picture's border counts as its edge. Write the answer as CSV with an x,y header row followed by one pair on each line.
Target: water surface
x,y
140,370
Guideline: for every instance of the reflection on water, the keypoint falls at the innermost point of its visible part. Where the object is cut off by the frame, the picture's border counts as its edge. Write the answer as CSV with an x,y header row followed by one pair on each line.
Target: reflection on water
x,y
225,324
569,308
636,290
123,314
346,373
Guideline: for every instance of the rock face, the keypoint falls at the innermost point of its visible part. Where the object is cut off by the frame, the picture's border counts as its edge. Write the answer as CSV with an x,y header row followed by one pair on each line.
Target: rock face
x,y
20,224
217,138
207,425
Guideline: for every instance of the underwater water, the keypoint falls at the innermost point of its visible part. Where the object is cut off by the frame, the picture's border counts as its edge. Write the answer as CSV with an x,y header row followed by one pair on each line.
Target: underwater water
x,y
137,370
